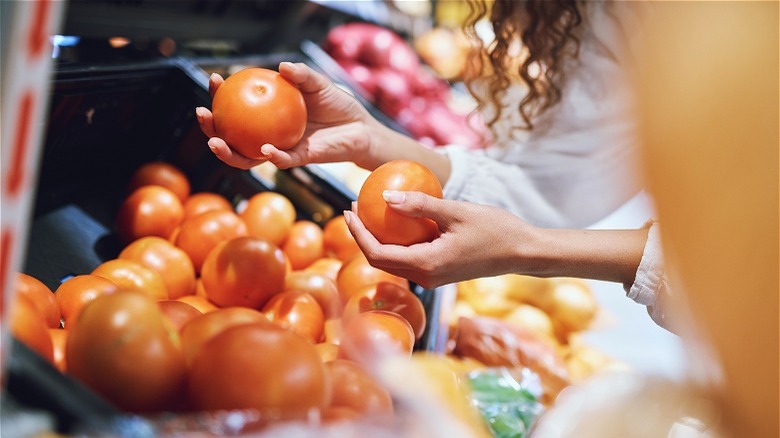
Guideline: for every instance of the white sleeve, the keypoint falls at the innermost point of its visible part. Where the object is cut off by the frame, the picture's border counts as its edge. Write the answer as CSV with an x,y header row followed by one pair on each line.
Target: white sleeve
x,y
650,287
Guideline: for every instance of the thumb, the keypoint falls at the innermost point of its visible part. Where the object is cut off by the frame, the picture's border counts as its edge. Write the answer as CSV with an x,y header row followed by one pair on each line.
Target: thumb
x,y
418,204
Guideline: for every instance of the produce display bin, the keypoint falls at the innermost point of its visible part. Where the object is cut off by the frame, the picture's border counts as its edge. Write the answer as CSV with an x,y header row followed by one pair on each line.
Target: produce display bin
x,y
104,122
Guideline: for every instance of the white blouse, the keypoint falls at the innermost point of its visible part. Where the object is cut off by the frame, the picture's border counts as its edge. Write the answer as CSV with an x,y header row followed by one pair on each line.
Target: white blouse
x,y
580,161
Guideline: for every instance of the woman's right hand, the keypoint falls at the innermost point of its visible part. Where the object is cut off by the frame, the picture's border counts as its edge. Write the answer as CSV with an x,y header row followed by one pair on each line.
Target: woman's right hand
x,y
338,128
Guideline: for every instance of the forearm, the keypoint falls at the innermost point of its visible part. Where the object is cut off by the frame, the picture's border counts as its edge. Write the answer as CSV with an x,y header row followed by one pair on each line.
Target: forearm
x,y
610,255
386,144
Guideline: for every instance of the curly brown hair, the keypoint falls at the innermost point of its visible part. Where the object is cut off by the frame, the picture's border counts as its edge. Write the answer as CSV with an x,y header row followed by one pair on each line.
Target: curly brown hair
x,y
546,30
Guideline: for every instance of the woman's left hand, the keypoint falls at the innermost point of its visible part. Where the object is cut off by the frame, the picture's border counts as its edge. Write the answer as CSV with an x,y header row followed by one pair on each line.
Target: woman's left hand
x,y
476,241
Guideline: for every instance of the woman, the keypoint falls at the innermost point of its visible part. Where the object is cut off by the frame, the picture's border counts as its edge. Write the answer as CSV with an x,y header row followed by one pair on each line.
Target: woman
x,y
564,154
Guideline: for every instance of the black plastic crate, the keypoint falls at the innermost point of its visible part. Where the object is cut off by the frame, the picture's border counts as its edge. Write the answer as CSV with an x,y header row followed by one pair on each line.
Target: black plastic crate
x,y
104,122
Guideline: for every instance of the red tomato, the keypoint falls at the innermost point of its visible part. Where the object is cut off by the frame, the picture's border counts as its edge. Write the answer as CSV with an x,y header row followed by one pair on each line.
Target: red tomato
x,y
149,211
304,244
41,296
356,389
59,339
75,292
256,106
202,202
132,275
327,266
200,329
392,298
338,240
356,273
200,234
163,174
199,302
388,226
298,312
375,335
319,286
243,272
262,367
178,312
172,263
270,216
28,325
123,348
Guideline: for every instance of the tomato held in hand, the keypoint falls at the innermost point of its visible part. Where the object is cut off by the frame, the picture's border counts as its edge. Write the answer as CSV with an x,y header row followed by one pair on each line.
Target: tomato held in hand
x,y
256,106
123,348
387,225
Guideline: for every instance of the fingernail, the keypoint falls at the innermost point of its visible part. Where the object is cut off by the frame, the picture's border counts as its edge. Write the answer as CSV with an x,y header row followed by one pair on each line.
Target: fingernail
x,y
199,114
393,197
264,150
213,77
347,217
289,65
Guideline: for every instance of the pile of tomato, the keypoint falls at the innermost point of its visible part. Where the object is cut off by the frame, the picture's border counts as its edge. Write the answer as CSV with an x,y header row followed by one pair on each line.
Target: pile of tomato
x,y
211,306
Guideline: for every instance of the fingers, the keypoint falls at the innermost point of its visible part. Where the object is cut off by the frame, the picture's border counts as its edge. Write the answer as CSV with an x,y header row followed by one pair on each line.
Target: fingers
x,y
229,156
206,121
215,80
307,80
283,159
418,204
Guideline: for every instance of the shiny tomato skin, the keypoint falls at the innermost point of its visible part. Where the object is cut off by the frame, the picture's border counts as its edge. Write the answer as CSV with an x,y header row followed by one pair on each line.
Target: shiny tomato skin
x,y
132,275
148,211
356,273
41,296
387,225
28,325
327,266
178,312
373,336
355,388
199,234
200,329
256,106
262,367
59,340
304,244
171,262
319,286
202,202
123,348
337,239
76,292
163,174
199,302
298,312
392,298
270,216
243,272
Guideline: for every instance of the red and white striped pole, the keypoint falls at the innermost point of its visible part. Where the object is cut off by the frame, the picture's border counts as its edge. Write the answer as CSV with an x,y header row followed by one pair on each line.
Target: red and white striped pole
x,y
26,76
